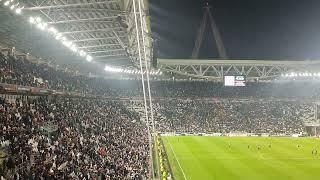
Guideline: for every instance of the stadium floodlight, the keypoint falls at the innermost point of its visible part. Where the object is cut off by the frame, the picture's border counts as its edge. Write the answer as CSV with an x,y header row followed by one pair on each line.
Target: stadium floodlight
x,y
112,69
58,36
89,58
39,25
32,20
82,53
53,30
38,19
18,11
67,43
7,3
73,48
42,26
107,68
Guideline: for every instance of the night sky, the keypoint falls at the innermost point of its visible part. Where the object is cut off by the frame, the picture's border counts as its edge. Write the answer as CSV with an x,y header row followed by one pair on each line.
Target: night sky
x,y
250,29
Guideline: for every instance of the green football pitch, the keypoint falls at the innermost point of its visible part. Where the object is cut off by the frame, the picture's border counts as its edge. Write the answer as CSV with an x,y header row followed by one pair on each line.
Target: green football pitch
x,y
234,158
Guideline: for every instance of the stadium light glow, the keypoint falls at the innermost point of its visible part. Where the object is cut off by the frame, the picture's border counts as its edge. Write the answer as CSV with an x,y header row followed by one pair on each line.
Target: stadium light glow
x,y
131,71
89,58
67,43
292,75
58,36
18,11
73,48
32,20
38,19
7,3
53,30
111,69
40,24
82,53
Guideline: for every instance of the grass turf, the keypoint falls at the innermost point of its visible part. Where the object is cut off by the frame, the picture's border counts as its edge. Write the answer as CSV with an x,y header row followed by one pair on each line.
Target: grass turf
x,y
230,158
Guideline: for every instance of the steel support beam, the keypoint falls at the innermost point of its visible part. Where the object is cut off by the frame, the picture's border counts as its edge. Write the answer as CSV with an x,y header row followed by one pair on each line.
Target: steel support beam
x,y
94,39
100,45
115,11
81,20
105,51
113,59
68,5
118,55
252,69
93,30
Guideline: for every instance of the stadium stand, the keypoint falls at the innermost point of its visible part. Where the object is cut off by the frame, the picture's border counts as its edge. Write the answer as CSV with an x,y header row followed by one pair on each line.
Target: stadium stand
x,y
273,117
72,138
23,72
60,137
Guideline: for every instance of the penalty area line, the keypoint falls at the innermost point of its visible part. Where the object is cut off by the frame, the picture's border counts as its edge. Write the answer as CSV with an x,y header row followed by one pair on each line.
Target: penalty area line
x,y
175,157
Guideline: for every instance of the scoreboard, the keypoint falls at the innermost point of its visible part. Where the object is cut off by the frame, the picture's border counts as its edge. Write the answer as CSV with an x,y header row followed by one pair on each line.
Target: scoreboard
x,y
234,81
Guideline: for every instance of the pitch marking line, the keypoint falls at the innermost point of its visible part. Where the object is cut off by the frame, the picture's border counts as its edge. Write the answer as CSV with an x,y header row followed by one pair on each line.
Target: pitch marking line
x,y
174,154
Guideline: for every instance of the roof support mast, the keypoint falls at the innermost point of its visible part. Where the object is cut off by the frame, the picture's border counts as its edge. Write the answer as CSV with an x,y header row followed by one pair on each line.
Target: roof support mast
x,y
215,31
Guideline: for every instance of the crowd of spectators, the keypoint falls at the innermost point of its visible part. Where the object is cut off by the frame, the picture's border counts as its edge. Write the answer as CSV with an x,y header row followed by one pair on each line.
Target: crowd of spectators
x,y
196,116
72,138
23,72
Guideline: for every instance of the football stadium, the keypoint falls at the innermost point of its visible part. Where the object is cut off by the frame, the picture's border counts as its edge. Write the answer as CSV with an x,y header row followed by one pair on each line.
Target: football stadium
x,y
159,90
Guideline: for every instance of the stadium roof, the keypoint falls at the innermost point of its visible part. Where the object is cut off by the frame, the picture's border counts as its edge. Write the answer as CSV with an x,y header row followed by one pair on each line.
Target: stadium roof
x,y
104,29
